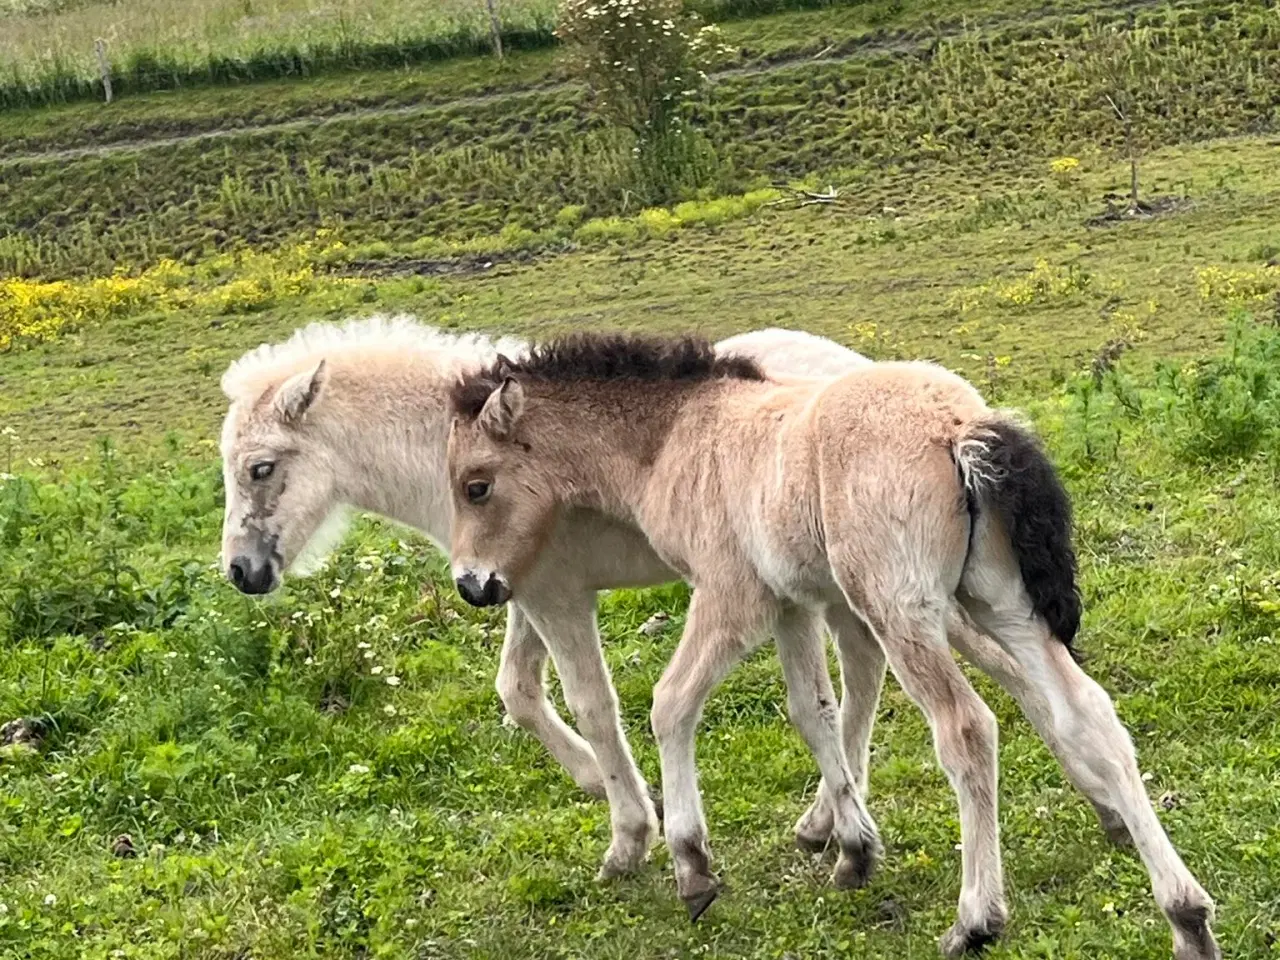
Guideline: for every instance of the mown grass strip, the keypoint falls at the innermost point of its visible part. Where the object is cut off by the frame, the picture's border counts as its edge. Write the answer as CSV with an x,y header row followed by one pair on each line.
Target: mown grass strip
x,y
67,75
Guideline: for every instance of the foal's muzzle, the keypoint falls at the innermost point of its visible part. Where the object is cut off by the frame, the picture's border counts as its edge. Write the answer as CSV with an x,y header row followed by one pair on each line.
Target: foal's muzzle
x,y
492,592
251,578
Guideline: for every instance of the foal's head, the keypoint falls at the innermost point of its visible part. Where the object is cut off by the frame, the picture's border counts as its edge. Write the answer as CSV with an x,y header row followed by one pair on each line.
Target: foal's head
x,y
503,506
520,431
280,485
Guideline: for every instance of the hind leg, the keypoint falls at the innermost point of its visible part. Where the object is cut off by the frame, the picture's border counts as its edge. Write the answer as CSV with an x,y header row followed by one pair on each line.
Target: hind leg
x,y
1087,736
910,621
812,705
989,657
862,670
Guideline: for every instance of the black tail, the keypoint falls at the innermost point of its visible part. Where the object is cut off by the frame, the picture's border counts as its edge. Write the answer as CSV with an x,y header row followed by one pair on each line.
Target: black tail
x,y
1006,470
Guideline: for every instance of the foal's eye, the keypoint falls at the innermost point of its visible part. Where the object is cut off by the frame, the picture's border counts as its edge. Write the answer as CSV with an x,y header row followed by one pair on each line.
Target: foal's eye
x,y
260,471
478,491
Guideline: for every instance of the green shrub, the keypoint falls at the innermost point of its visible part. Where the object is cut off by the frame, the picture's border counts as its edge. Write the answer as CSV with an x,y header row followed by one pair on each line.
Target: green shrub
x,y
646,63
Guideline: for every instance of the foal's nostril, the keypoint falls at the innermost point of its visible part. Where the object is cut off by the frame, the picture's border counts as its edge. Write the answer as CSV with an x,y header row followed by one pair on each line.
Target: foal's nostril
x,y
493,592
496,591
237,573
469,589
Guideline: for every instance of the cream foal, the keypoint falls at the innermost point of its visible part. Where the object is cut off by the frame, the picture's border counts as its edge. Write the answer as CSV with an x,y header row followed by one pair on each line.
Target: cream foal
x,y
891,496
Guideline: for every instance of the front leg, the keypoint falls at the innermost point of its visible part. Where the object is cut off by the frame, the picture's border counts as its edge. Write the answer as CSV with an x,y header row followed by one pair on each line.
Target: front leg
x,y
567,623
721,628
521,684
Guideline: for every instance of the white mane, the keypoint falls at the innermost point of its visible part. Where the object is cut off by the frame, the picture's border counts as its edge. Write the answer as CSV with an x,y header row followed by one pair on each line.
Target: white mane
x,y
398,333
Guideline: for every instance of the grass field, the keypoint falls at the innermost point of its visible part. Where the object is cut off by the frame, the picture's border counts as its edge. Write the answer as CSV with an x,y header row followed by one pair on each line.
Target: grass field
x,y
886,127
282,799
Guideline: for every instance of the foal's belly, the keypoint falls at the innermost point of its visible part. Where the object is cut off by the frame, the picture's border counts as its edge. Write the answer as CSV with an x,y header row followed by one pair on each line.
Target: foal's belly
x,y
793,569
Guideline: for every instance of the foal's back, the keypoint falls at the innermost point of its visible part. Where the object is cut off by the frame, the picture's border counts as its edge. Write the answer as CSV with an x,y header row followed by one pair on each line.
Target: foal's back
x,y
766,475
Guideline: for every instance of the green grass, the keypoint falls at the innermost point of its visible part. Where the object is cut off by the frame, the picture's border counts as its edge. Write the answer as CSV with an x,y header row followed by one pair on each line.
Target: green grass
x,y
286,801
842,29
827,270
48,56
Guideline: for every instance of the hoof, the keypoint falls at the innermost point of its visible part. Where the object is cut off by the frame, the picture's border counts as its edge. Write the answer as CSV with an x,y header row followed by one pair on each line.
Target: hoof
x,y
857,864
813,829
965,939
697,903
655,797
1192,937
621,861
851,874
612,870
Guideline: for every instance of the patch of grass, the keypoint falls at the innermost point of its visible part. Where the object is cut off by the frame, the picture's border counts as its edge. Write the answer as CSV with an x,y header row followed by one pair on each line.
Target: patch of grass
x,y
834,31
47,56
47,51
282,799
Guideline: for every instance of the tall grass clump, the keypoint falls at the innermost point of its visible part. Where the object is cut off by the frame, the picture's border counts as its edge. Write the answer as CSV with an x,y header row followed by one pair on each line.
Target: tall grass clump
x,y
645,63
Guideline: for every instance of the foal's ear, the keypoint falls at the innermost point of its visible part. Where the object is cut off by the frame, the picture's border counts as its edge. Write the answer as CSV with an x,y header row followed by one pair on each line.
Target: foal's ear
x,y
503,367
502,410
299,392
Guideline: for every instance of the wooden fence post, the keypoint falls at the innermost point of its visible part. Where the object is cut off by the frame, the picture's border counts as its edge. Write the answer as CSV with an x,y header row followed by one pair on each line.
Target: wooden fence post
x,y
496,26
104,68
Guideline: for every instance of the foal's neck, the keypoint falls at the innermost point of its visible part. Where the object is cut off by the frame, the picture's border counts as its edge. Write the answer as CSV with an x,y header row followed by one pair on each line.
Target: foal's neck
x,y
389,442
601,447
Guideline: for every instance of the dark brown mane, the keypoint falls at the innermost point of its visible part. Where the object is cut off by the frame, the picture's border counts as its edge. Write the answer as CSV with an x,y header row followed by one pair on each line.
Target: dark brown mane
x,y
604,356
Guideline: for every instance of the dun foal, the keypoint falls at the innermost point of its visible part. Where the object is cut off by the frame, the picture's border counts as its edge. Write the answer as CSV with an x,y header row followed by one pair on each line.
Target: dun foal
x,y
892,495
356,415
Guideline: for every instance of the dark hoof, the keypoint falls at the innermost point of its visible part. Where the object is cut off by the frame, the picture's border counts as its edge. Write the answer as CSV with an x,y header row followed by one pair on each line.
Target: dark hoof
x,y
857,864
697,903
853,874
1192,937
962,940
655,796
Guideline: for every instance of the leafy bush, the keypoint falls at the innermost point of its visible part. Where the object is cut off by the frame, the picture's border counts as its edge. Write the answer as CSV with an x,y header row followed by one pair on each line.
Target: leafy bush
x,y
646,63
